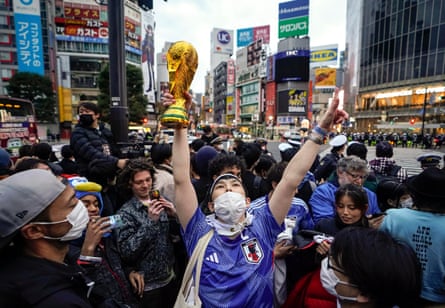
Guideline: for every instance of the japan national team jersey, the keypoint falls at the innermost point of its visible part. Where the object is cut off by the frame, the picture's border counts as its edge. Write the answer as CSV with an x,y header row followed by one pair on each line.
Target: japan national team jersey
x,y
236,272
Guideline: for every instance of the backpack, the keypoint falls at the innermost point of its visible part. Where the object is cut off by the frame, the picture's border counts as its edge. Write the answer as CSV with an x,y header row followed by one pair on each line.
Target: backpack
x,y
391,174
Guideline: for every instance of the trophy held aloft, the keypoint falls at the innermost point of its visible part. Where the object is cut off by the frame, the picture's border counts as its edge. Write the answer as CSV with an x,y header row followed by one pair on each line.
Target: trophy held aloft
x,y
182,62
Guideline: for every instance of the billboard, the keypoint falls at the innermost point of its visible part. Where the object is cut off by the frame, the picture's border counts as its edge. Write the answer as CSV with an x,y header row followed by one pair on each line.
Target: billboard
x,y
293,101
28,36
324,55
86,21
148,55
325,78
292,65
247,36
293,18
222,41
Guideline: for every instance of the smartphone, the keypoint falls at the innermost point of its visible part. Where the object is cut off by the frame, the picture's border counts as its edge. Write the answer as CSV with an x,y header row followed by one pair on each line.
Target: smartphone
x,y
116,221
155,194
375,215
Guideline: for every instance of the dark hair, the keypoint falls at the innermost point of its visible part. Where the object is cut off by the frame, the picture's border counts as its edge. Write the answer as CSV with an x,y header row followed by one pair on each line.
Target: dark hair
x,y
251,153
42,150
357,149
25,150
222,161
29,163
276,172
126,175
264,164
389,189
288,154
384,269
197,144
207,129
90,106
66,151
384,149
160,152
357,194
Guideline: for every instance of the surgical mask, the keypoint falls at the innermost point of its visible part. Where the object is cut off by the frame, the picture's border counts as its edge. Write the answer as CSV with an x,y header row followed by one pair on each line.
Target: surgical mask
x,y
78,218
86,119
230,207
408,203
329,281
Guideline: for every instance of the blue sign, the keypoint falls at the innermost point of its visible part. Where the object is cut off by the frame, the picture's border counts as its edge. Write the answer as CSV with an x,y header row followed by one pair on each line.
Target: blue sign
x,y
292,9
244,37
29,42
223,37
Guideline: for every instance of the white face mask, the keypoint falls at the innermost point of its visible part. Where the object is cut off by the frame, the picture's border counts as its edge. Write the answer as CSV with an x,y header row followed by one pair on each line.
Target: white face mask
x,y
230,207
408,203
78,218
329,281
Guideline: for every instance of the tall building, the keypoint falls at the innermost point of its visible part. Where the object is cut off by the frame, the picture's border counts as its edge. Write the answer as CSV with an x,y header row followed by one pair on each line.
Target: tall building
x,y
395,65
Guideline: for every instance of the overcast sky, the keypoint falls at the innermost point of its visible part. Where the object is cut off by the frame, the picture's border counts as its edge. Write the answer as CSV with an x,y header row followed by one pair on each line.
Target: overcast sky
x,y
193,21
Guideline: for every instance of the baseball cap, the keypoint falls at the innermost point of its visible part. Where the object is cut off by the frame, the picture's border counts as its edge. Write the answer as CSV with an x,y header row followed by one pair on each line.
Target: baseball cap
x,y
24,196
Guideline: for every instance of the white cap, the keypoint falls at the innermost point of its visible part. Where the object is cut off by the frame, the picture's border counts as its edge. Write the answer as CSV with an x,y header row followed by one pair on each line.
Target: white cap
x,y
284,146
338,141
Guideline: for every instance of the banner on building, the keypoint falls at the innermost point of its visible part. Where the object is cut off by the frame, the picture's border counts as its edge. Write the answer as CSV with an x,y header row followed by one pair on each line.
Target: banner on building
x,y
29,36
148,55
325,78
247,36
293,18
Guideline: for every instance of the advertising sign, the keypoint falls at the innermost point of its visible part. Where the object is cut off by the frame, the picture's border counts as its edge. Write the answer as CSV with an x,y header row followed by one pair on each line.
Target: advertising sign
x,y
324,55
29,36
148,55
293,18
248,35
222,41
293,101
85,21
325,78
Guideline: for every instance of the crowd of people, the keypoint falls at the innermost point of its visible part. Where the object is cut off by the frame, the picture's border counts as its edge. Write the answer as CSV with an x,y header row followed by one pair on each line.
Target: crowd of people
x,y
94,229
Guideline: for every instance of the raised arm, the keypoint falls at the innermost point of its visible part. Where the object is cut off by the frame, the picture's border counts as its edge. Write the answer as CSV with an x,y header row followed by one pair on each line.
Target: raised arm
x,y
302,161
186,201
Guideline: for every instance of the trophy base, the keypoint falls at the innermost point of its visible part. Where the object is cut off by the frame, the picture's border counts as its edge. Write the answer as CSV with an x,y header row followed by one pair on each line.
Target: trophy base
x,y
175,117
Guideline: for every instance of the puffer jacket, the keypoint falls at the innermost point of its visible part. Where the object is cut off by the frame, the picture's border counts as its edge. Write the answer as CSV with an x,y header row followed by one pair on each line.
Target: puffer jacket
x,y
90,144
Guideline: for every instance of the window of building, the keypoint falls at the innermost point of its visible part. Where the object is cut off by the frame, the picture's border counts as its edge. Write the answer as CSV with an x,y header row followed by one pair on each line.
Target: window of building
x,y
5,38
5,56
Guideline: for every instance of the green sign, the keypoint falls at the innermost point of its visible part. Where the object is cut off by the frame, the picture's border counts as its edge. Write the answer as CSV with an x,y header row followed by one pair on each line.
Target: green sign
x,y
293,27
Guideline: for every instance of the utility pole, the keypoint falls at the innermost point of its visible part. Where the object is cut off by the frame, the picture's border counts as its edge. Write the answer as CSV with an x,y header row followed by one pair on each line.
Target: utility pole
x,y
118,76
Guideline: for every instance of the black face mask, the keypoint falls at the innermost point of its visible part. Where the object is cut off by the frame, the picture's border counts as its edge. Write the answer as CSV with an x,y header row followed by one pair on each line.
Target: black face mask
x,y
86,119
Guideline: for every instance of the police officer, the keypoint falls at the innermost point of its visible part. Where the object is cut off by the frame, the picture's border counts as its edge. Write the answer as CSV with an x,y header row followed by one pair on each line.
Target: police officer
x,y
428,160
328,163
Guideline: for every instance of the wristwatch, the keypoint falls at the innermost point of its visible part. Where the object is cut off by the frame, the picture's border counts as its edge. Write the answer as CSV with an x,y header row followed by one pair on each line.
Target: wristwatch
x,y
318,139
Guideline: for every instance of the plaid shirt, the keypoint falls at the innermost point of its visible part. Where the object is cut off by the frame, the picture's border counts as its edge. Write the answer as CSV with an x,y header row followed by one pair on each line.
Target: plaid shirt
x,y
384,165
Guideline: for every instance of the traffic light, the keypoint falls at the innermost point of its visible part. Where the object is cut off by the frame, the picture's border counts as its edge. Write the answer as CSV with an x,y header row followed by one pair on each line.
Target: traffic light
x,y
412,121
144,121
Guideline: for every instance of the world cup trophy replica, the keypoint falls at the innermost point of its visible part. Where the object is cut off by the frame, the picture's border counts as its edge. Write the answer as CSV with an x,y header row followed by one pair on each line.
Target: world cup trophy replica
x,y
182,62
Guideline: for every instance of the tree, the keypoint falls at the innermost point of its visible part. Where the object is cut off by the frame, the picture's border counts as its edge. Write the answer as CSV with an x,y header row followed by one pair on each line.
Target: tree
x,y
39,90
136,101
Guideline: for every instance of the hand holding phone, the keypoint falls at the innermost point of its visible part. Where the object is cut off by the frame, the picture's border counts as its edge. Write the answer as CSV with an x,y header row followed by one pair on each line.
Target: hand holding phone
x,y
155,194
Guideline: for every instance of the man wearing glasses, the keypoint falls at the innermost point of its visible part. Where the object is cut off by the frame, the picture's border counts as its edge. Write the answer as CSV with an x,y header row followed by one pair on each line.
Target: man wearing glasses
x,y
350,170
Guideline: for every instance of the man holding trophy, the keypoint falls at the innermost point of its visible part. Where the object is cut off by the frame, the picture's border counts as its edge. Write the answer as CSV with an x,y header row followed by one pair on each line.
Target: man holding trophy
x,y
236,279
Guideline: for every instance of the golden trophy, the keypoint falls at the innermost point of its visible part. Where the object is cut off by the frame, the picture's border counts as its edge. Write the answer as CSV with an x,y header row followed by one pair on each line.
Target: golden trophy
x,y
182,61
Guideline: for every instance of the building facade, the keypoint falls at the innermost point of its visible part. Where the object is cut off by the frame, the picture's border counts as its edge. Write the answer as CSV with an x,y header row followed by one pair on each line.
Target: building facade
x,y
399,84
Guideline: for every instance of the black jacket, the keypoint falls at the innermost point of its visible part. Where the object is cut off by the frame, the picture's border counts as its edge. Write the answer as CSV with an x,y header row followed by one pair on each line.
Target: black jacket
x,y
27,281
94,146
